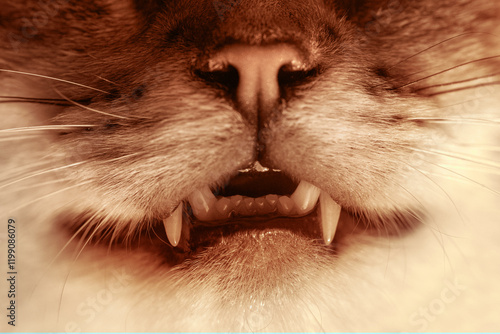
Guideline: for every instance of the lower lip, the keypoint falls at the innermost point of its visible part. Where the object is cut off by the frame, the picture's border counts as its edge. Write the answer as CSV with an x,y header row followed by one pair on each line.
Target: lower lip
x,y
203,234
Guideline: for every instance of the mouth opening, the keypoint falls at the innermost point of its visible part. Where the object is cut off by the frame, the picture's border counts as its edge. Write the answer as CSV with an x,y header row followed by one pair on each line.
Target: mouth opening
x,y
256,202
256,199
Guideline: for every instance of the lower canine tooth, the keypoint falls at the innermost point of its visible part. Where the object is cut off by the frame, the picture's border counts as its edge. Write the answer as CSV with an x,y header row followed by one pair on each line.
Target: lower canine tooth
x,y
330,214
203,203
173,226
305,197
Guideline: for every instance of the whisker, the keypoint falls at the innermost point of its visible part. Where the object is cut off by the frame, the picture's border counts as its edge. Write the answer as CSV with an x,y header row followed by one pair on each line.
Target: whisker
x,y
451,120
40,184
49,195
437,185
163,241
84,226
42,161
41,173
484,170
45,128
72,265
446,70
464,88
494,148
458,82
107,80
462,102
88,108
465,177
46,171
435,45
54,79
21,99
446,176
16,138
49,265
473,159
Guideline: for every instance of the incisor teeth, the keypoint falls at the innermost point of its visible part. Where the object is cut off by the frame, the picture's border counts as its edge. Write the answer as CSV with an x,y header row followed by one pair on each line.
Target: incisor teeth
x,y
272,199
305,197
285,205
249,206
263,206
173,226
206,207
236,200
330,214
224,207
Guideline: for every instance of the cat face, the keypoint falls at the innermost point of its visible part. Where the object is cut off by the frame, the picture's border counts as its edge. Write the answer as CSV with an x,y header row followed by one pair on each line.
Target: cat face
x,y
152,109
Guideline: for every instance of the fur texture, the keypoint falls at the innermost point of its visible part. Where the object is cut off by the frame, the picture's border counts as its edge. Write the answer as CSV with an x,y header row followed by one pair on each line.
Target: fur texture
x,y
396,118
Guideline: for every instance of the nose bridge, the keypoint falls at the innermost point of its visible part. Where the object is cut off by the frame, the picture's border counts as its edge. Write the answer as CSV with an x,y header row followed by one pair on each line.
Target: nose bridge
x,y
258,66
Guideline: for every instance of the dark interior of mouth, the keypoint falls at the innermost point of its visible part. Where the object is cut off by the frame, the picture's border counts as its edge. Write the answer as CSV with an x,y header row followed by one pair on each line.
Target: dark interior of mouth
x,y
253,183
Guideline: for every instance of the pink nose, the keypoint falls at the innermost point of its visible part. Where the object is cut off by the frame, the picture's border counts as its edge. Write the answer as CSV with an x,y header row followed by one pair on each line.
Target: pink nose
x,y
262,71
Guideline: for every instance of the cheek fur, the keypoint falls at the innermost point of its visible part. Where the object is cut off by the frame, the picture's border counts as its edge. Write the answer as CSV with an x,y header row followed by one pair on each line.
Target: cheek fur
x,y
115,113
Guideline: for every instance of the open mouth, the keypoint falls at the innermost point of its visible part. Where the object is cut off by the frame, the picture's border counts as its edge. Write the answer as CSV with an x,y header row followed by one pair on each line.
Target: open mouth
x,y
256,198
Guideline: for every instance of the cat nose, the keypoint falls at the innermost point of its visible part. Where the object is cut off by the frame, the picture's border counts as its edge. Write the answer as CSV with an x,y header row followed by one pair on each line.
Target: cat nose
x,y
258,77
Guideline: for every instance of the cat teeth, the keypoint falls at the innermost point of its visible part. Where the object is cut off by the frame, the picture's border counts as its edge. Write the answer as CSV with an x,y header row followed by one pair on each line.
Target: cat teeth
x,y
305,197
173,226
330,215
203,204
207,207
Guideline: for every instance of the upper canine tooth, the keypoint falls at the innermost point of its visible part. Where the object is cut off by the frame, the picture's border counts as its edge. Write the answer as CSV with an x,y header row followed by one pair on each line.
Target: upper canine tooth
x,y
203,203
305,197
330,214
173,226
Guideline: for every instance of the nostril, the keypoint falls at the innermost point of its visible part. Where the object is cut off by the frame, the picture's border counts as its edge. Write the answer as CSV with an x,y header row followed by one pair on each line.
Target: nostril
x,y
288,76
226,78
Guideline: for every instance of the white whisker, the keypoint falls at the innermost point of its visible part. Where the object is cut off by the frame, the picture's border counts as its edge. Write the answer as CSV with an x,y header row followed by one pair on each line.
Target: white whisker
x,y
88,108
447,70
44,128
49,195
452,120
473,159
493,148
52,78
435,45
464,177
17,138
40,184
41,173
11,172
476,169
107,80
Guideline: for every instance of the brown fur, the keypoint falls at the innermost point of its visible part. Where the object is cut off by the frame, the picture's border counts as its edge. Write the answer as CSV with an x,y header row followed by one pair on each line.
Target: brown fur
x,y
363,128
